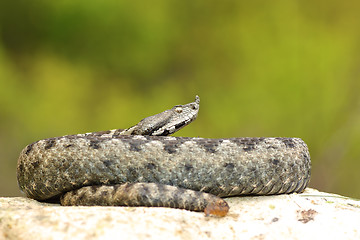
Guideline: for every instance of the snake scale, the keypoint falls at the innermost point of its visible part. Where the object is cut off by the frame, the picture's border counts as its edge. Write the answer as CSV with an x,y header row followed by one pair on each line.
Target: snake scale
x,y
142,166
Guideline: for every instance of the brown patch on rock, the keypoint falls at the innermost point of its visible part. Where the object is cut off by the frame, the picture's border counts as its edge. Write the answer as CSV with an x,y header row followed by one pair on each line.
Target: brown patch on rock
x,y
305,216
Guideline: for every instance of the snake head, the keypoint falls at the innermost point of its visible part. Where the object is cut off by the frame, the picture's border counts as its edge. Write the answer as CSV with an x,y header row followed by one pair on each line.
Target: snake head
x,y
167,122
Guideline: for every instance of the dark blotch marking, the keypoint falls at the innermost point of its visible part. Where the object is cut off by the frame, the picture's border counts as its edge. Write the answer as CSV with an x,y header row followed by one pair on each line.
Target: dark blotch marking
x,y
35,163
29,148
210,148
180,125
306,157
275,161
177,196
80,198
164,133
132,173
68,145
288,142
229,166
127,186
150,166
49,143
21,167
273,147
188,167
149,131
135,146
115,188
93,189
157,197
94,144
209,145
117,133
104,193
172,146
145,190
247,144
249,148
107,163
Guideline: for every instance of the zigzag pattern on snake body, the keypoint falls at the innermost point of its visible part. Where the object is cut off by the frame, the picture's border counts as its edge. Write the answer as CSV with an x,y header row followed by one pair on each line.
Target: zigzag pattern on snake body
x,y
141,166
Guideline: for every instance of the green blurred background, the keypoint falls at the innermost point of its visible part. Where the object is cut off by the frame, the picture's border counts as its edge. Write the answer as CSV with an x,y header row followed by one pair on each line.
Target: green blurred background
x,y
261,68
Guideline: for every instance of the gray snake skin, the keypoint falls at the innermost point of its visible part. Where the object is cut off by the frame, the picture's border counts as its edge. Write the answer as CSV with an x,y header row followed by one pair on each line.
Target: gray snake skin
x,y
141,166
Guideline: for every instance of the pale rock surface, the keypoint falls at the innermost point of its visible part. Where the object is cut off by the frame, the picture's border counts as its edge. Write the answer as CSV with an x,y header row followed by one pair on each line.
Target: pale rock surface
x,y
310,215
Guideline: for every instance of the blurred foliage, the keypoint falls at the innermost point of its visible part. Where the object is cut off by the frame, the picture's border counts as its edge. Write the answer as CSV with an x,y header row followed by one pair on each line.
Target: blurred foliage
x,y
261,68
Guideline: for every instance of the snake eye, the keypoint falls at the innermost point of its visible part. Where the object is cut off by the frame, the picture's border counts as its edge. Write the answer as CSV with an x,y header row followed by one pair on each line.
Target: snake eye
x,y
178,109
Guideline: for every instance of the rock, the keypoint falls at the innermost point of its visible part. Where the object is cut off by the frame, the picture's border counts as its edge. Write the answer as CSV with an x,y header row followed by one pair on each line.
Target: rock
x,y
309,215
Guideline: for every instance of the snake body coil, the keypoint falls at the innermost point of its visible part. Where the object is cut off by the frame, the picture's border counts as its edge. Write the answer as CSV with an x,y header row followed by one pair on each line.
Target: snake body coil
x,y
108,168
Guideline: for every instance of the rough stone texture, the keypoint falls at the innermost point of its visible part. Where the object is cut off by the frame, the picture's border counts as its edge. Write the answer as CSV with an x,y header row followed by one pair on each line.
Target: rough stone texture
x,y
310,215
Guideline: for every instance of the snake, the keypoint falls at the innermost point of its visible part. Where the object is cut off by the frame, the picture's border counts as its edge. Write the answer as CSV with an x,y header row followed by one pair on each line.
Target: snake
x,y
144,166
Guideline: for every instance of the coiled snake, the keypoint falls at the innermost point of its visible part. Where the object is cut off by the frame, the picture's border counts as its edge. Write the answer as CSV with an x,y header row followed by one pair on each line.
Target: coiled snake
x,y
142,166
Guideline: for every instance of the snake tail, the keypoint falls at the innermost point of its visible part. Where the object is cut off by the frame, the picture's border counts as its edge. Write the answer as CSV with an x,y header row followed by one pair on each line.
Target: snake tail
x,y
148,195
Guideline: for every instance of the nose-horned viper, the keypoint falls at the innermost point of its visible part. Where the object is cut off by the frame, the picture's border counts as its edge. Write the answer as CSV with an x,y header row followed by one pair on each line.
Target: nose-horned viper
x,y
142,166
